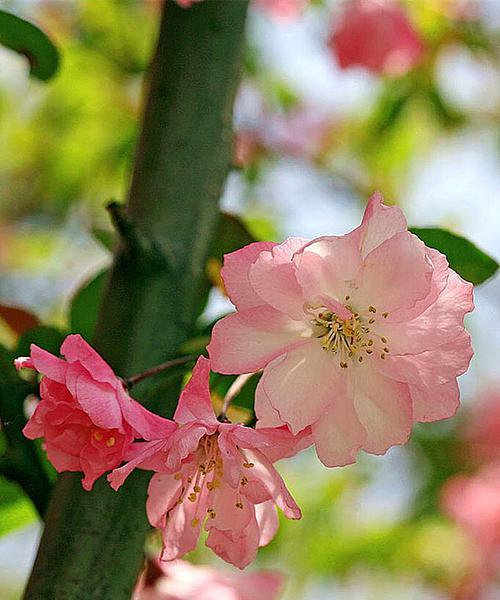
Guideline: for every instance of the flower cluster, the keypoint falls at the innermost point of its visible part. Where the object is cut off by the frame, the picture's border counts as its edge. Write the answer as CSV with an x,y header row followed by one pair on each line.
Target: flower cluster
x,y
358,337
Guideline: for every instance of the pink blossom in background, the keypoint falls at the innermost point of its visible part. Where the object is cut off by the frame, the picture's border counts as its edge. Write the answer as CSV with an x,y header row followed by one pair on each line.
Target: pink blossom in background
x,y
215,474
180,580
474,503
359,335
282,9
377,35
85,415
482,432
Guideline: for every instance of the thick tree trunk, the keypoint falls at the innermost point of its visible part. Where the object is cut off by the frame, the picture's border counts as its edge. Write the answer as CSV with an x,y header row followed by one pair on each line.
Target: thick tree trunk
x,y
93,542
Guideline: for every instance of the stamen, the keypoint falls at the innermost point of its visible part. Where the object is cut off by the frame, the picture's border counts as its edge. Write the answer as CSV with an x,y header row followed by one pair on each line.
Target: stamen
x,y
195,522
372,309
110,442
98,435
248,465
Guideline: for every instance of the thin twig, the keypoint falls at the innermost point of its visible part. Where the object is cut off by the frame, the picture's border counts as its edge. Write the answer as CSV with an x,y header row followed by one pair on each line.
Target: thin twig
x,y
175,362
234,389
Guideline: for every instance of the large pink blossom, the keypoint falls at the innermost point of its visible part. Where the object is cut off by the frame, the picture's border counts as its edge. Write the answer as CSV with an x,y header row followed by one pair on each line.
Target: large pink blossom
x,y
180,580
215,474
358,335
376,34
85,415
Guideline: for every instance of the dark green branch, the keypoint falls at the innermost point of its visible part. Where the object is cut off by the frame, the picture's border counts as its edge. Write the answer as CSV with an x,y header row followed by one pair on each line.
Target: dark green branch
x,y
92,546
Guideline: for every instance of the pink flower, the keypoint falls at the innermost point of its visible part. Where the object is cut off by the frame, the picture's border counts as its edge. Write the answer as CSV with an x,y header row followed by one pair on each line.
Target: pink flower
x,y
482,432
180,580
85,415
474,502
220,474
285,10
358,335
376,34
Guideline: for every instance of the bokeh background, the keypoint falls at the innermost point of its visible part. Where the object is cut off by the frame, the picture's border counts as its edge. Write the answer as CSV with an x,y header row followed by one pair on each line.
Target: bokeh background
x,y
313,141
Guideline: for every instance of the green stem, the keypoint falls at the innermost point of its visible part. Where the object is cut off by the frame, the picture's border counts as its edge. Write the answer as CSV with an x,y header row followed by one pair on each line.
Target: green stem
x,y
93,541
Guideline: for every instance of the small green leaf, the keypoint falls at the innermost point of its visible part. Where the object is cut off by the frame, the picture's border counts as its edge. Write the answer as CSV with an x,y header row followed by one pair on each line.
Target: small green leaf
x,y
85,306
464,257
15,509
48,338
24,37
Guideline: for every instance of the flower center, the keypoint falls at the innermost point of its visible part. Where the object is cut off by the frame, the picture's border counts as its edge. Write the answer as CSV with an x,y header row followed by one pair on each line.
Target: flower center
x,y
206,477
351,338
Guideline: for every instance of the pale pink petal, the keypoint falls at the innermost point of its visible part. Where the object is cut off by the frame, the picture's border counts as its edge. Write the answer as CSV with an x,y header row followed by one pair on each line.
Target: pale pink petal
x,y
338,434
384,408
180,535
267,416
235,274
275,442
434,367
268,521
185,441
328,266
241,550
76,349
395,275
421,333
301,384
195,403
146,424
272,276
264,472
163,492
246,341
436,402
48,364
380,223
143,452
228,517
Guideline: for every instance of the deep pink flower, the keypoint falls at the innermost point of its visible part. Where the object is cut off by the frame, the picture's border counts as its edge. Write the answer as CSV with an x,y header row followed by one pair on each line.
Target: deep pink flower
x,y
180,580
282,9
217,474
358,335
85,415
376,34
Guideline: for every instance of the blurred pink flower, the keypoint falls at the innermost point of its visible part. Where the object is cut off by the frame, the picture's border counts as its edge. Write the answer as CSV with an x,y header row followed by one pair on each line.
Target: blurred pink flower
x,y
358,335
376,34
85,415
180,580
474,502
482,431
220,474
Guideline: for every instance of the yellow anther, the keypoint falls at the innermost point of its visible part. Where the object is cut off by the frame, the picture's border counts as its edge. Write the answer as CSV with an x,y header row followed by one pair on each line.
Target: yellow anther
x,y
189,479
239,505
372,309
178,476
386,350
383,340
197,489
210,486
195,522
382,356
211,513
370,342
347,298
98,435
369,351
360,359
343,365
244,481
385,315
192,497
371,321
110,442
248,465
